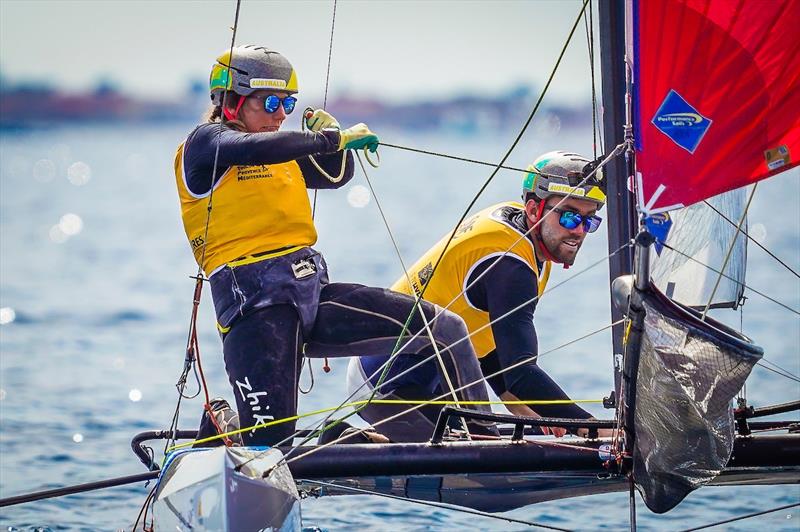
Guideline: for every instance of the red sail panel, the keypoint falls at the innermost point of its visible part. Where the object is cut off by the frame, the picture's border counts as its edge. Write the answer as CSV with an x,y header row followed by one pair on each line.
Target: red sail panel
x,y
716,97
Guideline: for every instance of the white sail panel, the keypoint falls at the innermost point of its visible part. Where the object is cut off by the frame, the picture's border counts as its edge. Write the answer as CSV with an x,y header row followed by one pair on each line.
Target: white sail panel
x,y
706,236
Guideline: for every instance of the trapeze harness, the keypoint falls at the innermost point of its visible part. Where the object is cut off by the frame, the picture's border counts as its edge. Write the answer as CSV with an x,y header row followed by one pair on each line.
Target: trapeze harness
x,y
257,243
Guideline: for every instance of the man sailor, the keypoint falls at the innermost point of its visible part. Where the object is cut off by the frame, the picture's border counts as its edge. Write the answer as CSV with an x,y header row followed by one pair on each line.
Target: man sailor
x,y
492,272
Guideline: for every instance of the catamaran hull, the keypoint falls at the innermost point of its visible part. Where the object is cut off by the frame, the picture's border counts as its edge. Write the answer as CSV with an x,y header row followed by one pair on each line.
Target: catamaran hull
x,y
224,489
502,476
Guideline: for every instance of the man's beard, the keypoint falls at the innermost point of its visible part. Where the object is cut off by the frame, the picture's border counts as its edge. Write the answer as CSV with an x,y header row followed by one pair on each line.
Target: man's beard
x,y
561,251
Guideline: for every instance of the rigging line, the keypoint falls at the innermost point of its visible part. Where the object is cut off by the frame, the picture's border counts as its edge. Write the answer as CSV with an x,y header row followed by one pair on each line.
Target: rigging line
x,y
765,296
463,159
588,20
730,251
390,418
325,99
423,402
189,361
497,168
425,322
596,105
286,458
753,240
786,375
771,363
423,361
434,504
513,144
143,509
454,157
739,518
384,368
330,55
499,165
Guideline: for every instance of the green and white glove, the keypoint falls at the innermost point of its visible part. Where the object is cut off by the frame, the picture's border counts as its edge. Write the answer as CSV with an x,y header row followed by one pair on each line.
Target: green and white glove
x,y
358,136
320,119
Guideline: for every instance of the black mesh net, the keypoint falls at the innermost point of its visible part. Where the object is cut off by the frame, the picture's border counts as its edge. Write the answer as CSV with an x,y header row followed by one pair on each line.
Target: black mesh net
x,y
689,371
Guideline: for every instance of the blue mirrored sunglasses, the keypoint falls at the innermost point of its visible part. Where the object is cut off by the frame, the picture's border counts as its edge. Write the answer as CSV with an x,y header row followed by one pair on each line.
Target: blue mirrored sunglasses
x,y
571,220
272,102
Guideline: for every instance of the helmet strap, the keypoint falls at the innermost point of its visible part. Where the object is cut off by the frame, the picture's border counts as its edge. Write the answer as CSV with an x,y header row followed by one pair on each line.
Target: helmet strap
x,y
537,234
235,114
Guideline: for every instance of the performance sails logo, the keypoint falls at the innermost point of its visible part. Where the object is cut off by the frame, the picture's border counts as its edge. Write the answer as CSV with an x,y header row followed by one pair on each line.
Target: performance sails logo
x,y
681,122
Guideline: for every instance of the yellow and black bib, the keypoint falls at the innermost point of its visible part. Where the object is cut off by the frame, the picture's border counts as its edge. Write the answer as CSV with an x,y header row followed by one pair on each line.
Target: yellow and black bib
x,y
484,236
255,209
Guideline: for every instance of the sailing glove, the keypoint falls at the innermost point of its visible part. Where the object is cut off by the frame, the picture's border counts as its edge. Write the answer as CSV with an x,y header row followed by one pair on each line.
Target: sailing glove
x,y
358,136
321,119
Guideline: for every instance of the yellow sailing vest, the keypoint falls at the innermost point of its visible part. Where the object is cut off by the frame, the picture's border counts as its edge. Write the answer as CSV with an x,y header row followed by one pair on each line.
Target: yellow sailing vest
x,y
255,209
481,237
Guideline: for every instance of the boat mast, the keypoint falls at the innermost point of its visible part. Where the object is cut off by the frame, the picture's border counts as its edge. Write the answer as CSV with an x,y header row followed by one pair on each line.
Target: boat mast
x,y
621,213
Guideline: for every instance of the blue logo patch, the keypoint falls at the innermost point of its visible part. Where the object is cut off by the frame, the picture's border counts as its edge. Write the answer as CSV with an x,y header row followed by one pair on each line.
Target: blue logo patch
x,y
681,122
659,225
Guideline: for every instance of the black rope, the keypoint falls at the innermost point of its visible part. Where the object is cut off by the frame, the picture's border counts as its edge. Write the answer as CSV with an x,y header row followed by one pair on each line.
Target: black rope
x,y
756,242
755,514
435,505
454,157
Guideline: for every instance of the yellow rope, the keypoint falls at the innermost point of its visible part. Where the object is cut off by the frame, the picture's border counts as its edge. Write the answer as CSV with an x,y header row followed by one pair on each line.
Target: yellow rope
x,y
378,402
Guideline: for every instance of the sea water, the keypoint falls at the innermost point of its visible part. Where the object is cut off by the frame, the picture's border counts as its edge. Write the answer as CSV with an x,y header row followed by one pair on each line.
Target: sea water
x,y
96,296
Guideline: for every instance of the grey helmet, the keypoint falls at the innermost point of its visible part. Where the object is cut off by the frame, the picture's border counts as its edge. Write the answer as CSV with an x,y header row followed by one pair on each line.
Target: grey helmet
x,y
252,68
558,173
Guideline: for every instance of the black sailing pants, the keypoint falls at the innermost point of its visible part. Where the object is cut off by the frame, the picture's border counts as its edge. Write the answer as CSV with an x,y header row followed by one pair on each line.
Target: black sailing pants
x,y
263,349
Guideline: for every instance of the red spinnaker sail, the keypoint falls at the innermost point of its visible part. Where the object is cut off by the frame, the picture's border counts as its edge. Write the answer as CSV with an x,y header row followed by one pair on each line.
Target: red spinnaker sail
x,y
716,96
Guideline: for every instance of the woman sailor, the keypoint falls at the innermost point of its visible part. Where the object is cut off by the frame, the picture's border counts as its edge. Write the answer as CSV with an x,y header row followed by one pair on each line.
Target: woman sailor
x,y
242,187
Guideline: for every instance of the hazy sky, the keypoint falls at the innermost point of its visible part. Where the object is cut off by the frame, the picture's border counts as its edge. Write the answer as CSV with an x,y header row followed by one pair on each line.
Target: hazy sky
x,y
389,48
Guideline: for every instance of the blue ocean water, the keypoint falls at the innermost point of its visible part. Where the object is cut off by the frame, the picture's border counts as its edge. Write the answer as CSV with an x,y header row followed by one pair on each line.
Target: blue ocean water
x,y
96,298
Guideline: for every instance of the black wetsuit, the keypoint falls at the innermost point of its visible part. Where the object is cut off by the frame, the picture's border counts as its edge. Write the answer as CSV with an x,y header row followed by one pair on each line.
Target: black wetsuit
x,y
506,286
269,310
